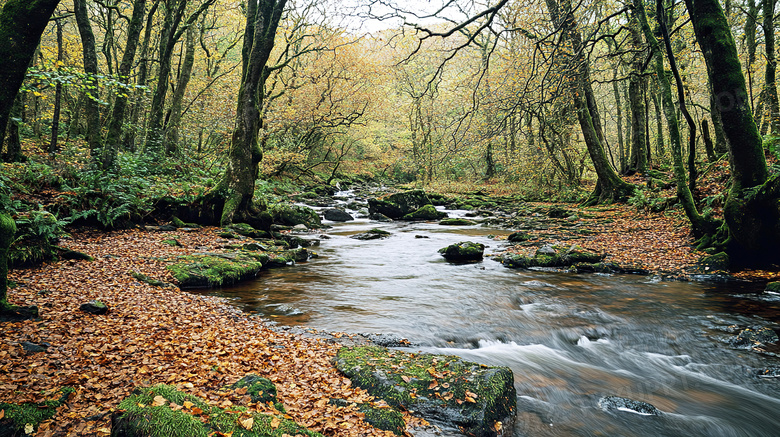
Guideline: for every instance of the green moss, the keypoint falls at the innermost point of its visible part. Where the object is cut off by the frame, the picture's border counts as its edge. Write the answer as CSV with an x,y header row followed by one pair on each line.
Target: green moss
x,y
387,419
214,270
172,242
147,280
426,212
473,395
715,263
773,287
245,230
463,251
20,415
456,222
292,215
141,416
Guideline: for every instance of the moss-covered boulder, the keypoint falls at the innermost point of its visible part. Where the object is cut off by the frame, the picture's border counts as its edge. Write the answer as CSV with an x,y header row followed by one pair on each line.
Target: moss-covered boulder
x,y
398,205
292,215
427,212
718,262
163,410
382,416
371,234
553,256
478,399
518,237
455,221
772,287
23,419
259,389
337,215
463,251
216,269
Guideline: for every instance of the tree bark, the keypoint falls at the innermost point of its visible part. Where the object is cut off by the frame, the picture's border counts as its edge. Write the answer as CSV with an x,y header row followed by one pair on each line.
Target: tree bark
x,y
174,119
91,107
751,210
232,198
13,145
55,119
636,93
768,8
609,187
114,134
22,23
699,224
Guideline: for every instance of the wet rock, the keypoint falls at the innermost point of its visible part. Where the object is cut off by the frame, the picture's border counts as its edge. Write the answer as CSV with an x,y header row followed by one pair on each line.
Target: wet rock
x,y
769,372
463,251
379,217
398,205
750,337
385,418
427,212
772,287
292,215
300,228
216,269
518,237
714,263
246,231
456,222
94,307
553,256
480,400
559,212
615,403
337,215
372,234
387,340
34,348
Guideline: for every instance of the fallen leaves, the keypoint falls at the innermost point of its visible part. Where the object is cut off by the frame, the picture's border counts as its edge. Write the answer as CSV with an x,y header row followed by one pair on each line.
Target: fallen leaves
x,y
157,335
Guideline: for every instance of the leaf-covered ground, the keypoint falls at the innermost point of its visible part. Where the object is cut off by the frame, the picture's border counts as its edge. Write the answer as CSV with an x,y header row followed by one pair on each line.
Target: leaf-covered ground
x,y
155,335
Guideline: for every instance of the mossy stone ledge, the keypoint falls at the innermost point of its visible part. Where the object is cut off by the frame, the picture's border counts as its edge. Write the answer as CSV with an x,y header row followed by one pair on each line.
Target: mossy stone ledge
x,y
398,205
216,269
479,400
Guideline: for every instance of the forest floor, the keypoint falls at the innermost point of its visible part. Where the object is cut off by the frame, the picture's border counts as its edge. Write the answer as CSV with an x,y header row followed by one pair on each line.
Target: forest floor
x,y
158,335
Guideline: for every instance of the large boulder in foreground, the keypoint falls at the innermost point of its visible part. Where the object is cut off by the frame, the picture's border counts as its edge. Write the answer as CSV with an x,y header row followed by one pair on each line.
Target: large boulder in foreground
x,y
463,251
398,205
164,410
478,399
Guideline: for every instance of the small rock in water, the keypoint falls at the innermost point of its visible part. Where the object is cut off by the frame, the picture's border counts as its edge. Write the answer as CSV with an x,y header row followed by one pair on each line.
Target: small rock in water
x,y
300,227
421,236
615,403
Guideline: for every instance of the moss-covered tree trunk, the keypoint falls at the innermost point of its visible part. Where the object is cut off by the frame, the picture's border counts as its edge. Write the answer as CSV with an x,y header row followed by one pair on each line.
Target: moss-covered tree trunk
x,y
768,24
175,112
751,211
114,133
636,93
91,107
699,224
7,231
610,187
22,23
231,200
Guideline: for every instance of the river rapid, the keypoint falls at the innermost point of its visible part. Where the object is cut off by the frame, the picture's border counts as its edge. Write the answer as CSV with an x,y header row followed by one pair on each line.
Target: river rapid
x,y
570,339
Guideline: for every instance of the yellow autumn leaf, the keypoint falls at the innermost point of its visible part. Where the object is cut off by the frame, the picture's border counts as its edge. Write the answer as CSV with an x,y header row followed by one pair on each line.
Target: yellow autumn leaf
x,y
247,423
275,422
159,401
29,428
188,404
2,414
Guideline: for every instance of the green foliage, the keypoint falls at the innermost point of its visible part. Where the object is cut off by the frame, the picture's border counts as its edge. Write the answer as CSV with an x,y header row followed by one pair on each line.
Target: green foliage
x,y
36,237
32,414
645,200
51,75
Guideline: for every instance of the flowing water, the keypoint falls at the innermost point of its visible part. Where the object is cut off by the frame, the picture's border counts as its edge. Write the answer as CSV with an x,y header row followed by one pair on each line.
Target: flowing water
x,y
569,339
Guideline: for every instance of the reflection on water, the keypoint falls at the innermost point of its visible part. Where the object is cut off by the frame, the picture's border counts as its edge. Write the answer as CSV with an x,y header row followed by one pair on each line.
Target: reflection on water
x,y
569,339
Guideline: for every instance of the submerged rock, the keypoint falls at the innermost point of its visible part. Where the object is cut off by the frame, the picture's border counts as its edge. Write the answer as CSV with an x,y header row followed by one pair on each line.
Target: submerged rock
x,y
615,403
554,256
463,251
480,400
755,337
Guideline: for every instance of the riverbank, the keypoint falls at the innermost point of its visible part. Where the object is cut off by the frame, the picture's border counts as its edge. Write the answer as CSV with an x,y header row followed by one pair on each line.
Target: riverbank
x,y
160,334
154,335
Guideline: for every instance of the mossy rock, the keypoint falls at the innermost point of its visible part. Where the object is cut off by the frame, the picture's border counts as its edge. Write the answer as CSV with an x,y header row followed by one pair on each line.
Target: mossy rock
x,y
292,215
259,389
518,237
177,222
371,234
216,269
172,242
439,199
553,256
463,251
385,417
163,410
29,415
287,257
772,287
427,212
558,212
440,388
398,205
456,222
715,263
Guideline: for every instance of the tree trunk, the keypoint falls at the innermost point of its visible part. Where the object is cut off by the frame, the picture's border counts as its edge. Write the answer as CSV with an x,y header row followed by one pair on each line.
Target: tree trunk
x,y
22,23
174,119
55,119
91,107
609,187
768,7
7,231
114,134
129,137
12,143
232,198
619,108
699,224
708,146
636,91
751,210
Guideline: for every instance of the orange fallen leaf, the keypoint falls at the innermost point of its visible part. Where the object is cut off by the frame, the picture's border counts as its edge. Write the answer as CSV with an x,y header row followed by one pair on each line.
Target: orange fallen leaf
x,y
275,422
249,422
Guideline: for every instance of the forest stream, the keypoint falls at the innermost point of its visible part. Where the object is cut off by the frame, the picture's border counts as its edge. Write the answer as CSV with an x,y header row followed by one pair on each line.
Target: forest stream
x,y
570,339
